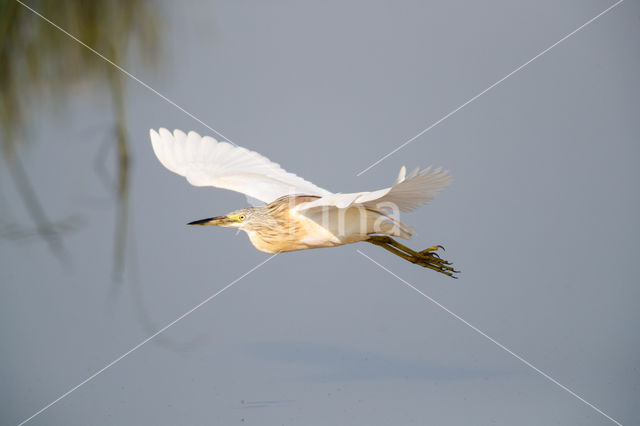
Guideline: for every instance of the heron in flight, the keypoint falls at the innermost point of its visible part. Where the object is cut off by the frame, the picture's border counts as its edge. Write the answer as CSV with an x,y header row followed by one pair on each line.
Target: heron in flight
x,y
299,215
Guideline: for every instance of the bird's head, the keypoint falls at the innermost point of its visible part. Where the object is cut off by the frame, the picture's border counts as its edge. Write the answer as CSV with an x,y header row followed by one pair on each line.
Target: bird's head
x,y
236,219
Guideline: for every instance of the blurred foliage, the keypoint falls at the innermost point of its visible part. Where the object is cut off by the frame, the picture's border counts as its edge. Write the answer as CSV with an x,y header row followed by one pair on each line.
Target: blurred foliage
x,y
40,62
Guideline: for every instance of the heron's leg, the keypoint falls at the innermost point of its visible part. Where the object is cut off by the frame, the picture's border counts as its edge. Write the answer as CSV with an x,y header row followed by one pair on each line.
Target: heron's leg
x,y
427,258
380,241
388,240
385,239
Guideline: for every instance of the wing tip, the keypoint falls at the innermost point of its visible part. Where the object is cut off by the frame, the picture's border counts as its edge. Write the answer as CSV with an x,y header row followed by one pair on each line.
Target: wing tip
x,y
401,174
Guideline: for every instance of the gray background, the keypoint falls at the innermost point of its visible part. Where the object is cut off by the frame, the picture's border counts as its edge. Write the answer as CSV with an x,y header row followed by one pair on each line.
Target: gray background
x,y
542,218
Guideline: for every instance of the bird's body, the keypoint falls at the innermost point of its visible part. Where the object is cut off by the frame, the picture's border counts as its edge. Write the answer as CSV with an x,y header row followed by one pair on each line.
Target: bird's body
x,y
299,215
286,229
286,225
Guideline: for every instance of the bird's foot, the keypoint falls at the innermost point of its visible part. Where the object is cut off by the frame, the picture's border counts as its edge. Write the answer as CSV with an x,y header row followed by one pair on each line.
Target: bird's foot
x,y
429,258
433,248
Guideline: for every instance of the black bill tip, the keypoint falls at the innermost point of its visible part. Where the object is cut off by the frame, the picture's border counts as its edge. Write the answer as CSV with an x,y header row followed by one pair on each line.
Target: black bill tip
x,y
204,221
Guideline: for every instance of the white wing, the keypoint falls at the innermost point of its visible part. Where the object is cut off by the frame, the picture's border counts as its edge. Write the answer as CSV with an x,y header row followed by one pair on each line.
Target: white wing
x,y
407,194
207,162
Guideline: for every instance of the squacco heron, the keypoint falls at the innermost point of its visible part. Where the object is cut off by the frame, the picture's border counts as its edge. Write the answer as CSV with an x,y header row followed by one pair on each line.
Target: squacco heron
x,y
299,215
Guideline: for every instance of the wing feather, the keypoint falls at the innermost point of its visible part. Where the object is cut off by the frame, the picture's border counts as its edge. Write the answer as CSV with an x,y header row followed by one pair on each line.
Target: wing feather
x,y
207,162
407,194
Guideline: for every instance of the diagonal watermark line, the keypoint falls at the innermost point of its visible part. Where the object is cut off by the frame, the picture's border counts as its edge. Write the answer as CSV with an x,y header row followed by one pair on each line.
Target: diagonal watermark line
x,y
490,87
491,339
127,73
136,347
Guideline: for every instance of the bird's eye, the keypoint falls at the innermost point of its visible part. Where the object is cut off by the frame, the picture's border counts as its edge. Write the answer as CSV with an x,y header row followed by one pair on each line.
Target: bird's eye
x,y
241,217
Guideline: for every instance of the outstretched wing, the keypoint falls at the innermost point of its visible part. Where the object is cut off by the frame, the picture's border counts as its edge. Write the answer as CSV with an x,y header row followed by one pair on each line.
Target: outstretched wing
x,y
407,194
207,162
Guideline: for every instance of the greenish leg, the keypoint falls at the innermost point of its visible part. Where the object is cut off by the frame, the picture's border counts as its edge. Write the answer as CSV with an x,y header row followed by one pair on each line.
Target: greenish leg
x,y
426,258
